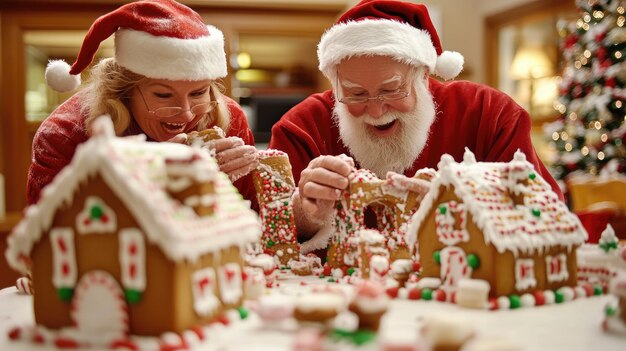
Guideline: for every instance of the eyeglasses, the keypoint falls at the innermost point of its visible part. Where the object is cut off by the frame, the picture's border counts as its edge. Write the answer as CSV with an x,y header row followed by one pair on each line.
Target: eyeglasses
x,y
399,94
165,112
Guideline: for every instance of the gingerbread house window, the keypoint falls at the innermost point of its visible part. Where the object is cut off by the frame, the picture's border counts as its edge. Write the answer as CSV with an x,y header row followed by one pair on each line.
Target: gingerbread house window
x,y
64,271
556,268
132,255
451,222
203,289
231,288
96,217
525,274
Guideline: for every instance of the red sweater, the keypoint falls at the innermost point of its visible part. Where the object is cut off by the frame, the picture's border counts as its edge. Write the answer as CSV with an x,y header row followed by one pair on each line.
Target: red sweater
x,y
483,119
58,136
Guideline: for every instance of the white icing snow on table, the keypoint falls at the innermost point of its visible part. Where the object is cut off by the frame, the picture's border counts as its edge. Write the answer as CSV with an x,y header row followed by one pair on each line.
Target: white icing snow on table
x,y
570,326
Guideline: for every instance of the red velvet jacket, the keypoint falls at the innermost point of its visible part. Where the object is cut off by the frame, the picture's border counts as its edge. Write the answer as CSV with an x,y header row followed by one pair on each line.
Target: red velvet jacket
x,y
483,119
58,136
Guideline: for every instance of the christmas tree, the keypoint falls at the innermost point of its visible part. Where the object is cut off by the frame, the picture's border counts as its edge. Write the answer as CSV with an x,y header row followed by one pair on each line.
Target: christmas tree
x,y
590,135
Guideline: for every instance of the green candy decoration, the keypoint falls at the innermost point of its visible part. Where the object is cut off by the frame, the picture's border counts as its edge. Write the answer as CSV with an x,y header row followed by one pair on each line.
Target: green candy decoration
x,y
427,294
65,294
96,212
559,297
609,311
361,337
532,176
243,313
350,271
473,261
516,301
597,290
132,295
443,209
608,246
437,257
536,212
270,243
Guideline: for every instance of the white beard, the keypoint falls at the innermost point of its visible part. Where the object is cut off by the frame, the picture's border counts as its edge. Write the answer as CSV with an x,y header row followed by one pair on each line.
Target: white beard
x,y
393,153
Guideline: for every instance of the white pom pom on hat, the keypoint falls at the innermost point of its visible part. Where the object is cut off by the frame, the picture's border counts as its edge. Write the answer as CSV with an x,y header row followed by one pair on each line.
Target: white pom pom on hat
x,y
59,78
160,39
398,29
449,64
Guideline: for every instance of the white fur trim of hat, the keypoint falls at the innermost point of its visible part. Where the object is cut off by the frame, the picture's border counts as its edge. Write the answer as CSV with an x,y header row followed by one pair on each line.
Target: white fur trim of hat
x,y
370,37
162,57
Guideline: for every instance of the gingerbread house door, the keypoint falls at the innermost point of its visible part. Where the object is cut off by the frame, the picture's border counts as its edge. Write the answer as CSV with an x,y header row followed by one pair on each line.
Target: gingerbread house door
x,y
99,309
453,267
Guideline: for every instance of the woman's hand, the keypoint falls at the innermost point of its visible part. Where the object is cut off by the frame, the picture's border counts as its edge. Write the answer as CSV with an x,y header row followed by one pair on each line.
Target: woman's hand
x,y
179,139
234,157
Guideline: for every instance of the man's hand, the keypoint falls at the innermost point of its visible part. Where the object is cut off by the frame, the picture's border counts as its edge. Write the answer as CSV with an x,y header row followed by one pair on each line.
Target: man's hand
x,y
234,157
321,184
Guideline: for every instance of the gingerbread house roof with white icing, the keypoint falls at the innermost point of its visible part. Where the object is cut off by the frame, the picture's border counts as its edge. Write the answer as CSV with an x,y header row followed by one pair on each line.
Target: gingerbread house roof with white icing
x,y
514,207
137,172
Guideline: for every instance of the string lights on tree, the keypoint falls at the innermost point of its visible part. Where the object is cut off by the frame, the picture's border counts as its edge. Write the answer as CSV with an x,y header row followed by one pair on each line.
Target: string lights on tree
x,y
590,135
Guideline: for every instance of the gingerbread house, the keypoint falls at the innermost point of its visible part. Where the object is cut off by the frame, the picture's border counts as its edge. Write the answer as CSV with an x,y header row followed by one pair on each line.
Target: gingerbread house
x,y
392,203
134,238
497,222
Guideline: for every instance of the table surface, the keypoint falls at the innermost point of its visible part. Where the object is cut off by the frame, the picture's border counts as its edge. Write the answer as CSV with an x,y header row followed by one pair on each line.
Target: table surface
x,y
570,326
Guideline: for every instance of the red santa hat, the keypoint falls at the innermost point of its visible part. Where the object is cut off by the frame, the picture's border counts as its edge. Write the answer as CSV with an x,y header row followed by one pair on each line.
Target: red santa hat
x,y
159,39
392,28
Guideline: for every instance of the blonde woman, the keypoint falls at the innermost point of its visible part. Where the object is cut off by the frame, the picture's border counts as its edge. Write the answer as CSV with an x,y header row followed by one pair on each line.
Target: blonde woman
x,y
163,82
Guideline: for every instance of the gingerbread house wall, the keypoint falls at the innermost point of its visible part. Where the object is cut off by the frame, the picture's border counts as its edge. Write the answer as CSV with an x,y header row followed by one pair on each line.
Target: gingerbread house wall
x,y
185,316
428,243
100,252
165,305
505,271
498,269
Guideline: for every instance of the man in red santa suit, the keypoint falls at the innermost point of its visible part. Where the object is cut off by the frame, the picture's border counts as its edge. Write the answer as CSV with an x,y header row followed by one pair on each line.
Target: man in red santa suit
x,y
386,114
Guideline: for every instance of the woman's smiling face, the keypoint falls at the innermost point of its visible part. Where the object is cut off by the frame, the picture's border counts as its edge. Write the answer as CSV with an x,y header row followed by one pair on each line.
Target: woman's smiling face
x,y
154,94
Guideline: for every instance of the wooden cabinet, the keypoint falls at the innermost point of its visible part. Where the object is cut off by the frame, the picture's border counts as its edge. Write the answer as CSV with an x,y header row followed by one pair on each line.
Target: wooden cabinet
x,y
7,274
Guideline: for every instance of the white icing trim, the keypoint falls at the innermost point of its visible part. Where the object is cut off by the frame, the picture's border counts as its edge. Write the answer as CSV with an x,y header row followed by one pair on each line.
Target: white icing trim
x,y
99,310
132,255
525,274
87,225
556,268
230,283
448,230
64,268
454,267
203,288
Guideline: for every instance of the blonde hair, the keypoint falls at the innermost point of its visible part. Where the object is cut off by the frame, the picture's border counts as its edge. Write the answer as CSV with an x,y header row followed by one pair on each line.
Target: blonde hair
x,y
108,92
